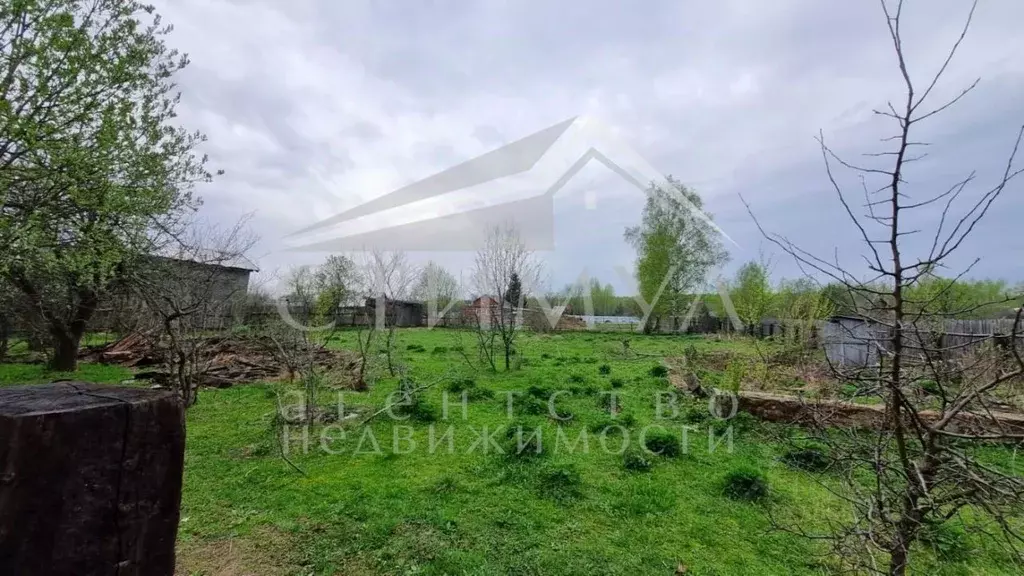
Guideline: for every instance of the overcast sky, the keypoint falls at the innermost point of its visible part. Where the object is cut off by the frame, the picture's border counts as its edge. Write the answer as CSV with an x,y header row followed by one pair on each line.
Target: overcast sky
x,y
315,106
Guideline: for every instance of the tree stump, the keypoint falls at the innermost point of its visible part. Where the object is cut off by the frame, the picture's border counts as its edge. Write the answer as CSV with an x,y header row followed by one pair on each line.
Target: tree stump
x,y
90,480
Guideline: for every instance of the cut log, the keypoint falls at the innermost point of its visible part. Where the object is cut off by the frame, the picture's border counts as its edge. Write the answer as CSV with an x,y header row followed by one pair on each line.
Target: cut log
x,y
90,480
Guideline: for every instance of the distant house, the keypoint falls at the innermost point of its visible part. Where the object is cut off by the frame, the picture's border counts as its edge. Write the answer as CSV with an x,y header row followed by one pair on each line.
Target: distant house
x,y
483,309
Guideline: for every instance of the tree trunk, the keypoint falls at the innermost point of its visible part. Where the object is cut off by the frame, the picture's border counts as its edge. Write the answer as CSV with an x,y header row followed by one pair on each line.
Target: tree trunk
x,y
898,560
68,337
5,333
65,352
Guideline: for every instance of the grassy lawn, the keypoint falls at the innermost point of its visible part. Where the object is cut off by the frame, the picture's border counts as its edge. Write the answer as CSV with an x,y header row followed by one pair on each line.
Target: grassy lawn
x,y
14,374
475,511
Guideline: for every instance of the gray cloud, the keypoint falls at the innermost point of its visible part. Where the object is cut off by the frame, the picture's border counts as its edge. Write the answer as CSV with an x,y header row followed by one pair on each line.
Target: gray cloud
x,y
316,106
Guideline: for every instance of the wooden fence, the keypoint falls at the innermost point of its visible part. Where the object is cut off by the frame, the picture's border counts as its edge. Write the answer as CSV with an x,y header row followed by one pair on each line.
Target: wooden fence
x,y
855,342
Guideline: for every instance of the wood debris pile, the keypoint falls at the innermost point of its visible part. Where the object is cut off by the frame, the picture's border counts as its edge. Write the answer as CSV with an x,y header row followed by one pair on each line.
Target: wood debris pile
x,y
223,360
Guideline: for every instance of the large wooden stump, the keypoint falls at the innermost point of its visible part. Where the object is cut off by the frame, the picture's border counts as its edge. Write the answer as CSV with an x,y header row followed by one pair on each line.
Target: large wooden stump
x,y
90,480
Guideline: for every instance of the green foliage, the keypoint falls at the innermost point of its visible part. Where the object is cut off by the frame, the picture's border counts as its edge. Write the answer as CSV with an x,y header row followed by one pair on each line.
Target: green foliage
x,y
808,458
561,483
658,371
849,390
522,442
617,382
470,387
515,290
947,540
733,377
752,294
953,298
538,391
413,403
604,369
93,170
745,483
636,460
332,285
675,247
663,443
930,387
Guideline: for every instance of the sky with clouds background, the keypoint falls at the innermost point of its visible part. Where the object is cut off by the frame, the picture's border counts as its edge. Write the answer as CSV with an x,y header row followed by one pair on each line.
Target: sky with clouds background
x,y
315,106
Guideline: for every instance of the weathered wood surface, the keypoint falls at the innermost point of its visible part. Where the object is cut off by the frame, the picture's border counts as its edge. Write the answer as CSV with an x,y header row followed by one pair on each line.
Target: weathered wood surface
x,y
90,480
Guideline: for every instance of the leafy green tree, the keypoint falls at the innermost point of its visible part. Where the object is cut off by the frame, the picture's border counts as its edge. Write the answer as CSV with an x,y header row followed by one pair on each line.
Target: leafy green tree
x,y
752,294
334,282
676,248
603,298
92,172
957,298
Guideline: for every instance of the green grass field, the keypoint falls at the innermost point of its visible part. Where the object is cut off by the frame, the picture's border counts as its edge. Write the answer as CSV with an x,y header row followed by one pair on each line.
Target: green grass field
x,y
406,509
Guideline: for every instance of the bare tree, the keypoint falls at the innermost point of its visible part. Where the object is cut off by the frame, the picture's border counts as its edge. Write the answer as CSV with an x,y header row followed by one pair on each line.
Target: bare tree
x,y
438,288
923,461
504,271
186,291
388,279
309,325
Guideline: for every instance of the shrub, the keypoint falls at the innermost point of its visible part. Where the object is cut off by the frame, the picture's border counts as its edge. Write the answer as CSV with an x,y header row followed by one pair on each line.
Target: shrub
x,y
531,405
577,378
536,391
545,355
617,382
604,369
747,484
583,390
613,425
532,444
469,386
415,348
658,371
663,443
440,350
457,348
416,408
637,461
560,483
604,402
931,387
810,459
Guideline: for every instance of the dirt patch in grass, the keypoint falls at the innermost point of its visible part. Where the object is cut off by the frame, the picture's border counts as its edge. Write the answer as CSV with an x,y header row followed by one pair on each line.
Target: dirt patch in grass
x,y
265,552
